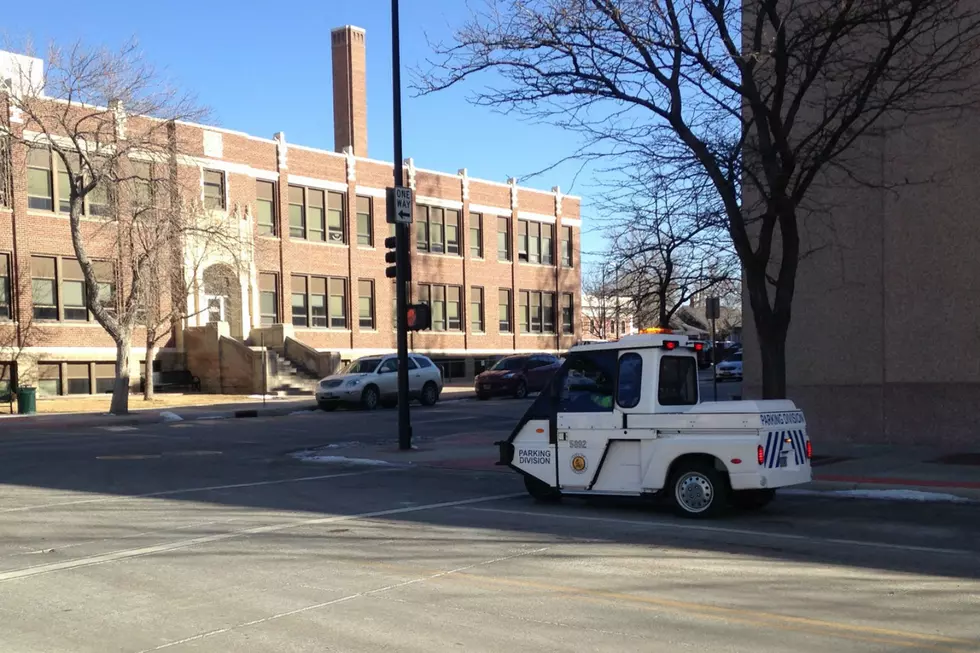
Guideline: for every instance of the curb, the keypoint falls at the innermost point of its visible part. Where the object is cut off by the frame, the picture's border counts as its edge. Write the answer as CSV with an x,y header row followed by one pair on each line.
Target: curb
x,y
824,485
34,422
902,482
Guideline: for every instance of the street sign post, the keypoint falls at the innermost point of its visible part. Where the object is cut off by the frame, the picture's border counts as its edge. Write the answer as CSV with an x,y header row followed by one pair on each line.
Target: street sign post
x,y
403,205
712,311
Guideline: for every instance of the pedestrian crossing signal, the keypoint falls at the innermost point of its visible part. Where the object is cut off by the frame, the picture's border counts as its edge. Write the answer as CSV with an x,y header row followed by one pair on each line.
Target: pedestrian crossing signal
x,y
418,317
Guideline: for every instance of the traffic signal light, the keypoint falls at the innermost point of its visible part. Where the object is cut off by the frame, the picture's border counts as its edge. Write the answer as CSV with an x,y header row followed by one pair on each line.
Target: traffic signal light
x,y
391,256
418,317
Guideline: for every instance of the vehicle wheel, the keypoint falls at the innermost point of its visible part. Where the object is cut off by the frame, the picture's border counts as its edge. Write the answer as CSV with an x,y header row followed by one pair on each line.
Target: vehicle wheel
x,y
698,490
327,405
540,490
369,398
483,396
521,391
752,499
430,394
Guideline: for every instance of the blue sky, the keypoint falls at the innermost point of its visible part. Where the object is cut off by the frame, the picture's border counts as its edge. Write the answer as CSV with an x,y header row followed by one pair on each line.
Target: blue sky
x,y
261,72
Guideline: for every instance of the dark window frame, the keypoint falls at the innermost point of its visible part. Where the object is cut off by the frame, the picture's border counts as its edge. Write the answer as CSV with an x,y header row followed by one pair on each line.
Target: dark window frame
x,y
364,239
432,220
477,310
505,323
442,322
373,321
476,235
271,228
264,317
636,381
222,186
505,255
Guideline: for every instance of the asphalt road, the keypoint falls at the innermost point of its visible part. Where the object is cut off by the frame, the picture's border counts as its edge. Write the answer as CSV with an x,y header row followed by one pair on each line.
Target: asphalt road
x,y
206,536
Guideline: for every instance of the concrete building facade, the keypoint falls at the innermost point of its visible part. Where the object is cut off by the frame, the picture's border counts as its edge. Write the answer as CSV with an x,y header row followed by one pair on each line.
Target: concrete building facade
x,y
498,263
884,344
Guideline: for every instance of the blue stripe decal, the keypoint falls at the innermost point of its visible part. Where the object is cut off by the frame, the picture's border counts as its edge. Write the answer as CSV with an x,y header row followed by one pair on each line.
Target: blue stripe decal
x,y
796,447
776,446
802,447
765,456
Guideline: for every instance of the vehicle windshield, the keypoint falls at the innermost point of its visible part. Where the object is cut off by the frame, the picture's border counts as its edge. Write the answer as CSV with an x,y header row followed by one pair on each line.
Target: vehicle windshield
x,y
736,357
362,366
509,364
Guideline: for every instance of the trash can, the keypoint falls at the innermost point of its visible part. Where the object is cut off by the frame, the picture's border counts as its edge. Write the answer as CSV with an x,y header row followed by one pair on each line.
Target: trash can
x,y
26,401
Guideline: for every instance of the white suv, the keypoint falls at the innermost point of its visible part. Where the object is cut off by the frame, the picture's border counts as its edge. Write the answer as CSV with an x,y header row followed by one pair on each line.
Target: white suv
x,y
373,380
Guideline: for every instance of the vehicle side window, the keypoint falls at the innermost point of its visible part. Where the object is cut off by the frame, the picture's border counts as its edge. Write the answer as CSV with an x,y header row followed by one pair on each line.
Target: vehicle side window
x,y
390,365
678,381
630,380
423,362
534,362
587,383
412,365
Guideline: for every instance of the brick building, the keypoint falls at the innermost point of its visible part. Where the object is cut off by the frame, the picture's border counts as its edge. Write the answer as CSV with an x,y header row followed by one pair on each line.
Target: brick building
x,y
498,263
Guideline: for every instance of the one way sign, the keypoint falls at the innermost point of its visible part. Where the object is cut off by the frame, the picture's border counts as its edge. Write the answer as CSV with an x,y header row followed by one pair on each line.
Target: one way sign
x,y
403,205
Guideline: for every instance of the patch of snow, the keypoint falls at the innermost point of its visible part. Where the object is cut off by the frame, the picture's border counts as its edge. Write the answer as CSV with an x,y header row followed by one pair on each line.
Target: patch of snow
x,y
213,417
313,457
887,495
167,416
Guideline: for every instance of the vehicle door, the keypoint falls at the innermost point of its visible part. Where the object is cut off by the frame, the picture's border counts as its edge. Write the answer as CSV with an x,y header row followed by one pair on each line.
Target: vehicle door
x,y
586,416
416,379
533,373
386,377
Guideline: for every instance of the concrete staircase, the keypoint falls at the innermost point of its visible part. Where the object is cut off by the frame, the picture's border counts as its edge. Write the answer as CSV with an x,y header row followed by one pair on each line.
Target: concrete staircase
x,y
287,378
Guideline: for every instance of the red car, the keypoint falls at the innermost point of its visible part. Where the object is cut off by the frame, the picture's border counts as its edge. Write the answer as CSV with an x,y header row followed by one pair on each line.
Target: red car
x,y
517,376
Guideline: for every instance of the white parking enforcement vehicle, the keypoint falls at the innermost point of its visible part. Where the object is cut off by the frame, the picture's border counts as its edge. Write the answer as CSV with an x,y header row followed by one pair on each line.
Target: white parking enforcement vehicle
x,y
624,418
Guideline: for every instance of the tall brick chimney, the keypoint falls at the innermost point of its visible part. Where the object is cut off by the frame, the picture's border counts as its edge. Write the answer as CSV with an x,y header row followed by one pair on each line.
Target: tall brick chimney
x,y
349,89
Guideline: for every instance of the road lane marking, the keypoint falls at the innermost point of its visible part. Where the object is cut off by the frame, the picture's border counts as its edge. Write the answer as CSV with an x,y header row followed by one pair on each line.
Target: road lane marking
x,y
125,554
733,531
149,456
166,493
118,429
344,599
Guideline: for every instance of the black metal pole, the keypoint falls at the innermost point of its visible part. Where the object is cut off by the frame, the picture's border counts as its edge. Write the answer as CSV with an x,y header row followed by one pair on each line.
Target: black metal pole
x,y
402,235
714,360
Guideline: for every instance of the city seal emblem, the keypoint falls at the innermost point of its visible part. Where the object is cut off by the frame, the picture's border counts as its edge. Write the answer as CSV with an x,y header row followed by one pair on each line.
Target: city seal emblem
x,y
579,463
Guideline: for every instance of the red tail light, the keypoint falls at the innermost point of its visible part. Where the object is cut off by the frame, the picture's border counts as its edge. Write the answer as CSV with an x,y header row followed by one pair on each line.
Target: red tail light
x,y
809,450
760,454
699,346
670,344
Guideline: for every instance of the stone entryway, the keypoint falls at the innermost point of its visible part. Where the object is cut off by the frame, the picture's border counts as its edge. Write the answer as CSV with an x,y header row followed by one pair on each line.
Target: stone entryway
x,y
223,298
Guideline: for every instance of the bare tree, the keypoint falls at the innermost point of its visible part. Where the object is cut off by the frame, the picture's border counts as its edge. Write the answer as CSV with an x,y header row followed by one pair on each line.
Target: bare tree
x,y
761,98
671,242
599,301
110,122
19,334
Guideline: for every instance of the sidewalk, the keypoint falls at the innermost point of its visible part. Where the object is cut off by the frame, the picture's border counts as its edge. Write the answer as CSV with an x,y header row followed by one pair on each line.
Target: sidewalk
x,y
245,407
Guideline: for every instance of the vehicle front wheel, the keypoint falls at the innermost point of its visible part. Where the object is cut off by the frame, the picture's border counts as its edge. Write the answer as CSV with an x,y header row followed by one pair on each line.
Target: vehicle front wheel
x,y
327,405
369,398
430,394
752,499
521,390
698,490
541,491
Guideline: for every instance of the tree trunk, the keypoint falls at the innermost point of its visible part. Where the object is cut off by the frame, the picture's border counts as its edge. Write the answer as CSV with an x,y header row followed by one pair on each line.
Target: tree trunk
x,y
773,350
151,352
771,327
120,391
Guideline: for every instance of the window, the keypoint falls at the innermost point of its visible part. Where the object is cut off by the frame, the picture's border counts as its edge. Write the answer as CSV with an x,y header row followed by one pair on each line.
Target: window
x,y
365,303
268,298
437,230
587,383
476,235
504,310
365,222
422,361
318,302
63,181
630,380
391,365
49,379
338,303
537,312
503,239
44,287
98,197
5,287
105,377
6,179
678,381
535,242
315,217
297,213
6,372
214,189
73,291
40,189
446,306
142,185
301,316
547,244
265,207
78,379
566,247
335,217
567,313
476,309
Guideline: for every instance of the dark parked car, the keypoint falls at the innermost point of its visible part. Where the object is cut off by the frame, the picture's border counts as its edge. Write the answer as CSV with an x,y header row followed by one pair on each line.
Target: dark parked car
x,y
517,376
